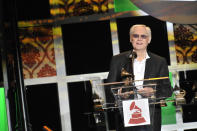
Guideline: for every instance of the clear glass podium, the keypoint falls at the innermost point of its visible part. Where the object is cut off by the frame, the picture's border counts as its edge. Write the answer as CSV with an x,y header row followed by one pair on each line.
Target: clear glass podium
x,y
135,103
136,107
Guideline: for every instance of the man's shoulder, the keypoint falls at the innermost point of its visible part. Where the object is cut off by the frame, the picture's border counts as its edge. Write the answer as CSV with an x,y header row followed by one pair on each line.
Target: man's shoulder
x,y
154,56
125,54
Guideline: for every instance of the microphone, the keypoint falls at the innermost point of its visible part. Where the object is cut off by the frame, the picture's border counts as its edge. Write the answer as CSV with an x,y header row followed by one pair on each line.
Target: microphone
x,y
133,56
124,73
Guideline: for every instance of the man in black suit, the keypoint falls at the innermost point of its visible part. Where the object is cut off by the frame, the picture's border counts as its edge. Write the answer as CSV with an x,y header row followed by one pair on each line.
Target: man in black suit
x,y
145,65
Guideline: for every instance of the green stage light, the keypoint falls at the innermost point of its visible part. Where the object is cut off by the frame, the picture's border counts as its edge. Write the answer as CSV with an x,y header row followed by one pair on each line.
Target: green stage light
x,y
3,114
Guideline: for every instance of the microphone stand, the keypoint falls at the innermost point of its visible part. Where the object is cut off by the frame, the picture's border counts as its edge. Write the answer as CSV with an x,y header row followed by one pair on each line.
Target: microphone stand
x,y
134,55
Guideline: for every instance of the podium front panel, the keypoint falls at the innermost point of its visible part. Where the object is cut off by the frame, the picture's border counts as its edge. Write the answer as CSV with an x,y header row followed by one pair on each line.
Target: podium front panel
x,y
111,96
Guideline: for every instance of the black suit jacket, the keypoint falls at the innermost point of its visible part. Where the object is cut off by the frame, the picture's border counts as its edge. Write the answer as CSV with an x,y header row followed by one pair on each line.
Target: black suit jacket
x,y
156,66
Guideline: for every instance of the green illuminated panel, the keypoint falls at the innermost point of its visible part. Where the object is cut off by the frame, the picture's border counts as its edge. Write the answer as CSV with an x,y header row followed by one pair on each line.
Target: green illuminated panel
x,y
168,113
124,5
3,114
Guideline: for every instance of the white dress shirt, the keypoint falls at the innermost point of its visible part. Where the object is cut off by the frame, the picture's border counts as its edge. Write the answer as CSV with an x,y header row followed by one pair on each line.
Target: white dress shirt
x,y
139,70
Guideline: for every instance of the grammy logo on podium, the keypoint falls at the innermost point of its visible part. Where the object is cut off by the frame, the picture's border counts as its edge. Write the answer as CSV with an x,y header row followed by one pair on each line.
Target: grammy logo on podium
x,y
136,112
136,117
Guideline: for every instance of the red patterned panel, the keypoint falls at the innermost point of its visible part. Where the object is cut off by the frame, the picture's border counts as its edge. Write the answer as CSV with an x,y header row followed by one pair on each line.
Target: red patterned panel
x,y
37,51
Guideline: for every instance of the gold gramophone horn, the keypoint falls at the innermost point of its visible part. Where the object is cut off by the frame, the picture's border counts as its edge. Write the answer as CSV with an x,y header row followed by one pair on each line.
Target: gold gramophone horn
x,y
124,73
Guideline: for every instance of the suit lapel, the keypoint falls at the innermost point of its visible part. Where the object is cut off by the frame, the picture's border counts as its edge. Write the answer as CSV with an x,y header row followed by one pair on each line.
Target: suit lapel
x,y
127,65
127,62
147,68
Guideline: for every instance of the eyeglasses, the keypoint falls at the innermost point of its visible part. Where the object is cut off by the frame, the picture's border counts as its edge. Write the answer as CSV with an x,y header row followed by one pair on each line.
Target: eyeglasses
x,y
141,36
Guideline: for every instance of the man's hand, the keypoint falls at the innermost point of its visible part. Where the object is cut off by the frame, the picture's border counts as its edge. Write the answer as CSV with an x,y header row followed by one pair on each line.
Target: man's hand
x,y
147,91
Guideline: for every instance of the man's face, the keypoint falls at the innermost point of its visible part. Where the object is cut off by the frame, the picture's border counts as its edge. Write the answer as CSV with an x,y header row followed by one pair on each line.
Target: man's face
x,y
140,38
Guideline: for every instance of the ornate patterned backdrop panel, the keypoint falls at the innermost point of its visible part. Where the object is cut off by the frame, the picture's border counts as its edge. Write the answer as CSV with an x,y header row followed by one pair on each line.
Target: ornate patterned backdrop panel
x,y
37,50
67,8
185,43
